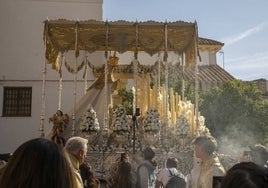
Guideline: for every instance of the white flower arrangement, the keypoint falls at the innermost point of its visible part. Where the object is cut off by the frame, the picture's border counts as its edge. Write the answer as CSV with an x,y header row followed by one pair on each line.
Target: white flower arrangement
x,y
204,131
152,121
89,121
182,126
120,120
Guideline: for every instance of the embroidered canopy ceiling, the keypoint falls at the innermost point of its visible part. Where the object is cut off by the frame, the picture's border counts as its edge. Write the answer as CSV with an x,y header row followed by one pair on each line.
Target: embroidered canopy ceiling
x,y
121,36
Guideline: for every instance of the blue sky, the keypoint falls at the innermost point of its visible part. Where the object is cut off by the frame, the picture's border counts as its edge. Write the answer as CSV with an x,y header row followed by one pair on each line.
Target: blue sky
x,y
242,25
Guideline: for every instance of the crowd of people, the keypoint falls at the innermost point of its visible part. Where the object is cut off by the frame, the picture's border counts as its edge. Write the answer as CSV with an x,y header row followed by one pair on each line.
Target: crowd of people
x,y
42,163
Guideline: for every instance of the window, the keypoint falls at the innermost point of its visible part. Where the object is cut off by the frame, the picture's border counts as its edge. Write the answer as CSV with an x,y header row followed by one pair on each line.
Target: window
x,y
17,101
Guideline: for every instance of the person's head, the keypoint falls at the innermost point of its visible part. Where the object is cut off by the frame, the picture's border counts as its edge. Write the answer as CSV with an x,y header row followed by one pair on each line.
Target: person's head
x,y
124,168
124,157
259,154
37,163
86,171
204,146
59,113
176,182
123,177
88,175
77,146
5,156
148,153
246,175
172,162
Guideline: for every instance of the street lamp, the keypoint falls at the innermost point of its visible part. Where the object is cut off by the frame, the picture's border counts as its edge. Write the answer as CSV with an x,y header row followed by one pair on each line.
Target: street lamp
x,y
222,53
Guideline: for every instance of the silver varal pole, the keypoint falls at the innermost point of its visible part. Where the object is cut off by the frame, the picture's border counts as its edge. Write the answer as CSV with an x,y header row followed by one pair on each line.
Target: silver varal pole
x,y
135,70
60,84
183,81
196,98
85,78
75,81
167,93
166,75
135,67
105,124
106,71
158,73
196,82
43,97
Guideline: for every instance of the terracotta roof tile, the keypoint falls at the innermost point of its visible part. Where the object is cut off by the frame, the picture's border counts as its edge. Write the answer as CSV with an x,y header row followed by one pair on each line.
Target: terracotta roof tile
x,y
205,41
207,73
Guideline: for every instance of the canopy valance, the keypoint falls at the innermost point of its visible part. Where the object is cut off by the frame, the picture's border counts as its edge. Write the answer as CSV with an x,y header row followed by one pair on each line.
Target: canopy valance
x,y
121,36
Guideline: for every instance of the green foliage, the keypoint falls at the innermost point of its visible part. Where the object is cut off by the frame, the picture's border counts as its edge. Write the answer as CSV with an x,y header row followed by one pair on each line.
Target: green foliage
x,y
127,100
175,82
237,111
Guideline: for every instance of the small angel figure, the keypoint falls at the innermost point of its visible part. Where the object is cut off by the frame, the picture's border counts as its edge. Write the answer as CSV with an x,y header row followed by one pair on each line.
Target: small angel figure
x,y
60,122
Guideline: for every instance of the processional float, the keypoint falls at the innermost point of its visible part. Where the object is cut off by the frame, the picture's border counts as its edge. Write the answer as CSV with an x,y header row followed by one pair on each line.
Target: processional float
x,y
174,115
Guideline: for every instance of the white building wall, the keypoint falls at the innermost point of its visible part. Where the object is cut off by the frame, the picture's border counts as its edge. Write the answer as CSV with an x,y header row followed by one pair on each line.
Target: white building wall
x,y
208,58
22,57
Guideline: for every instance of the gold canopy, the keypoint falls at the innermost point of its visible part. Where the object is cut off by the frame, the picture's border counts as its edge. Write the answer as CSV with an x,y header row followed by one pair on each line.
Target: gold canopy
x,y
121,36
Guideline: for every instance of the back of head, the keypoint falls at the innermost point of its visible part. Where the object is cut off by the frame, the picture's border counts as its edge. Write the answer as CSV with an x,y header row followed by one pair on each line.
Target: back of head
x,y
37,163
76,143
208,143
124,168
123,177
124,157
86,171
148,153
246,175
259,154
172,162
88,175
176,182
